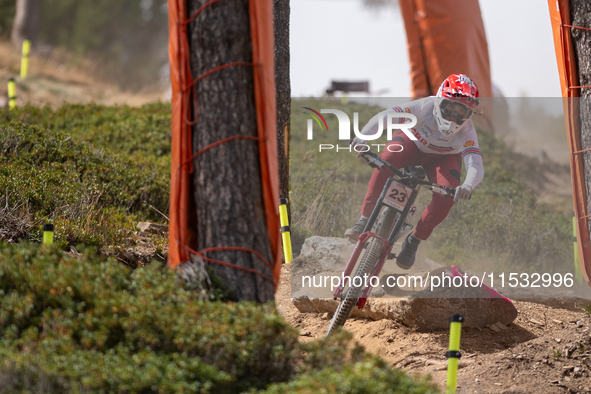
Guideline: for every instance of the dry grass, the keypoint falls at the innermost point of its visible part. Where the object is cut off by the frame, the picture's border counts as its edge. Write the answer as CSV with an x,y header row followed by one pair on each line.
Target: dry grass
x,y
16,221
56,77
324,204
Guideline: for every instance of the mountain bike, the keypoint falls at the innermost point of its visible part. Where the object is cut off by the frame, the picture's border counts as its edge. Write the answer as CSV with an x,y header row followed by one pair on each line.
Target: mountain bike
x,y
391,217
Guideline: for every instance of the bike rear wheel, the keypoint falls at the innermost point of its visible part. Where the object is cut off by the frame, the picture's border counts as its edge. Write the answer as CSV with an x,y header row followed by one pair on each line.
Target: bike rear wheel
x,y
368,262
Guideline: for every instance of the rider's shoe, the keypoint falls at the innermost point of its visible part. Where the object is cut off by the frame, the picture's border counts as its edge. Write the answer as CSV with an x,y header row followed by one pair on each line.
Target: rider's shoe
x,y
406,257
354,232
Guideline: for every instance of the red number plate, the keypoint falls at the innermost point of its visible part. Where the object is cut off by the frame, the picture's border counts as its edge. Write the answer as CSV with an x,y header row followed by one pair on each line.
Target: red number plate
x,y
397,196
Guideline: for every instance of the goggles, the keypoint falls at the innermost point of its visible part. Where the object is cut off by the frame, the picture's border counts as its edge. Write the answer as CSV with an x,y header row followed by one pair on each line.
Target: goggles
x,y
455,112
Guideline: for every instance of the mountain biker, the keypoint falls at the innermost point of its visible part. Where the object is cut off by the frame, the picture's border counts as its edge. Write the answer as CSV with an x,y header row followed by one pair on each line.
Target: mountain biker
x,y
445,134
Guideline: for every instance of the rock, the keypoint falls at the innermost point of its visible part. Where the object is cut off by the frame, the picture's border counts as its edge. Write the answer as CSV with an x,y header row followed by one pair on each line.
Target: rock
x,y
425,309
498,326
304,305
433,313
326,316
331,254
152,227
423,314
324,305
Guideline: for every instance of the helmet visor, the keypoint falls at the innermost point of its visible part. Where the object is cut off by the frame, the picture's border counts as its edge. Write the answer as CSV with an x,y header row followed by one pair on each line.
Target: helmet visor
x,y
455,112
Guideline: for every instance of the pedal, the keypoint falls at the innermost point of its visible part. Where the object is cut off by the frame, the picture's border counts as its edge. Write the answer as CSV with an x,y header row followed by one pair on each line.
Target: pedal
x,y
391,256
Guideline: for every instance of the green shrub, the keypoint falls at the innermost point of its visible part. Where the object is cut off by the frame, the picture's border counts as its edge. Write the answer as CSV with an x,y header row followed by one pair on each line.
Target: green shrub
x,y
143,131
368,376
93,325
86,190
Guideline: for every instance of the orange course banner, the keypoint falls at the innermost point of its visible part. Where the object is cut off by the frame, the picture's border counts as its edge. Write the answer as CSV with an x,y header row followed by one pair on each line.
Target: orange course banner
x,y
447,37
569,82
262,37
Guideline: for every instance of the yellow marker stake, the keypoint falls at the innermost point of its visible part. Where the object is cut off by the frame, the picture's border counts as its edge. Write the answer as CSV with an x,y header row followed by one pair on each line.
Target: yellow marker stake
x,y
25,58
578,275
47,234
453,355
285,230
11,93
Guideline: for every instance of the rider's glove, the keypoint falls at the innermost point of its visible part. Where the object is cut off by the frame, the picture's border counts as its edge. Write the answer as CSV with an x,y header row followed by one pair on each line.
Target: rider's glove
x,y
463,193
361,142
358,141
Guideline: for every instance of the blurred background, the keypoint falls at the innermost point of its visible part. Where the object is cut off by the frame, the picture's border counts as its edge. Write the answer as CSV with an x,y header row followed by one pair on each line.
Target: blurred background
x,y
120,42
125,43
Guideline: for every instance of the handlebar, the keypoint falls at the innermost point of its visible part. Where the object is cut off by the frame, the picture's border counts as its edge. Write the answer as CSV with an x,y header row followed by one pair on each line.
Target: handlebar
x,y
376,161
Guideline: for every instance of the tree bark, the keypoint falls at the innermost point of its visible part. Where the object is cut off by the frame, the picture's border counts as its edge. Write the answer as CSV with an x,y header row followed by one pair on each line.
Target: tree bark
x,y
581,16
227,178
283,89
25,22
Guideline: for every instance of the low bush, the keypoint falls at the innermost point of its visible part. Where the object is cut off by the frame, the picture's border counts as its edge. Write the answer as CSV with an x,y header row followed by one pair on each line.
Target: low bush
x,y
368,376
87,191
142,131
93,325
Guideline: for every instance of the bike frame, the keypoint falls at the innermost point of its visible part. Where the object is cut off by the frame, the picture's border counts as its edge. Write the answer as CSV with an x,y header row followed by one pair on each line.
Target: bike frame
x,y
396,216
393,236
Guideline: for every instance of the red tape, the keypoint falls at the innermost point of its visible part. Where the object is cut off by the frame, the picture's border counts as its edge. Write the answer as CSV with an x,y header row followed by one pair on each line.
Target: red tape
x,y
235,248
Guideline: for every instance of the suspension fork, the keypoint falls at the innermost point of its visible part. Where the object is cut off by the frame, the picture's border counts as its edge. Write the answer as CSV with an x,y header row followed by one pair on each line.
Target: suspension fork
x,y
363,238
367,234
387,246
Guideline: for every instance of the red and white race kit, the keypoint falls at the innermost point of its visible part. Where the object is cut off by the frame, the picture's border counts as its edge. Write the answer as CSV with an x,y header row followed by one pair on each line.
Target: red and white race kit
x,y
440,155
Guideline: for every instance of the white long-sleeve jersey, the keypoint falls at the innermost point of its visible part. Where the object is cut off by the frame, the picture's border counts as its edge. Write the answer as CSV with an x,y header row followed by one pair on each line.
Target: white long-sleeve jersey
x,y
431,140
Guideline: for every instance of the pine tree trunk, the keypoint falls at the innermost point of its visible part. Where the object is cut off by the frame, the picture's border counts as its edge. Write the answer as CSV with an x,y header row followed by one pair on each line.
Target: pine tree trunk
x,y
581,16
227,178
283,89
25,22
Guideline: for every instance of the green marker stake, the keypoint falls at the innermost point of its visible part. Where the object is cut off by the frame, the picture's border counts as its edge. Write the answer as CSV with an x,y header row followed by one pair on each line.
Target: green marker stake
x,y
47,234
453,355
578,275
25,58
11,93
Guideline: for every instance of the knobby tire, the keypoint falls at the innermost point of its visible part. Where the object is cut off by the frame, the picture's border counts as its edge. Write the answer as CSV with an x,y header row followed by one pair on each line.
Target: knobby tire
x,y
368,262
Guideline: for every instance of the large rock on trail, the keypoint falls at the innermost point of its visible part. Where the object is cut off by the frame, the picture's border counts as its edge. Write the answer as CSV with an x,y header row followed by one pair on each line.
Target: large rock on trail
x,y
425,309
422,314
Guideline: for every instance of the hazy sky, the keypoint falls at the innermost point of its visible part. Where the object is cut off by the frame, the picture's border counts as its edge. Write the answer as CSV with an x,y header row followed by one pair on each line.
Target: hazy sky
x,y
342,39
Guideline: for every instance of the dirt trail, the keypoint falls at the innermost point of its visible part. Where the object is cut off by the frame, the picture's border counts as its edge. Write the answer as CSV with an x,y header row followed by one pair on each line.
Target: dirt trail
x,y
545,350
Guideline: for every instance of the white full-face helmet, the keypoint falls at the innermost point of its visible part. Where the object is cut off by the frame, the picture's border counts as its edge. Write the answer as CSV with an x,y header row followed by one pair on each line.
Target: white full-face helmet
x,y
457,98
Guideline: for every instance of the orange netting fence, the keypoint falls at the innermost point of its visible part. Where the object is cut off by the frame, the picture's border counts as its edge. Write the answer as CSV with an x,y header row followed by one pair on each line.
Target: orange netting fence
x,y
569,82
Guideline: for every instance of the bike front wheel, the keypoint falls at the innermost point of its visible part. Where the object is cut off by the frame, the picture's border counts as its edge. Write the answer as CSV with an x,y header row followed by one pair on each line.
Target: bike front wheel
x,y
368,262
